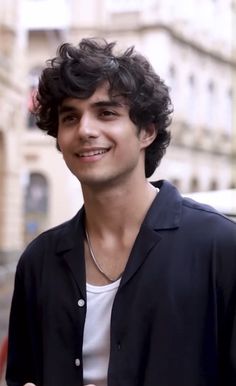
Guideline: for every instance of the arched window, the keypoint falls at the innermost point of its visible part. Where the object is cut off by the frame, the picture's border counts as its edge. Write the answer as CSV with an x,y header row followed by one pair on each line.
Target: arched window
x,y
36,199
36,205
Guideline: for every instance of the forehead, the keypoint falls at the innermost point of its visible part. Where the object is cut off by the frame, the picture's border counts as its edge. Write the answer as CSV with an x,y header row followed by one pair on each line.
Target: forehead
x,y
101,95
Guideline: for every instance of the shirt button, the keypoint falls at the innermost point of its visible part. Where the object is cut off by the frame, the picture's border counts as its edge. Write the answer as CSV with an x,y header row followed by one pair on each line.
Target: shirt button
x,y
77,362
81,302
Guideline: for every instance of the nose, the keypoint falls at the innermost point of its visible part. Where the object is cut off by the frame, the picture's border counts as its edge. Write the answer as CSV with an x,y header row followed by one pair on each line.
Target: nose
x,y
87,127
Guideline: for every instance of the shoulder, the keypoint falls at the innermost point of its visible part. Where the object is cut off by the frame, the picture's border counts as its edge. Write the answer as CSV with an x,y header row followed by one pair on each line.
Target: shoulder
x,y
214,235
52,235
207,216
192,219
48,243
212,229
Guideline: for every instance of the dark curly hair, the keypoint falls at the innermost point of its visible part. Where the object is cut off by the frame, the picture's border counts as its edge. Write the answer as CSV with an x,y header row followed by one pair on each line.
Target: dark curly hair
x,y
77,71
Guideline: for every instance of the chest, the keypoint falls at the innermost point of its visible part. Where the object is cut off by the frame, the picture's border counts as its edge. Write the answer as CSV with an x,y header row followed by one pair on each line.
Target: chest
x,y
105,263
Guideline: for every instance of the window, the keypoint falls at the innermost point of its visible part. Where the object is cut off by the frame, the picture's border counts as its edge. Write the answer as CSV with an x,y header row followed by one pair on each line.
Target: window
x,y
211,105
36,199
191,98
172,82
36,205
213,185
194,184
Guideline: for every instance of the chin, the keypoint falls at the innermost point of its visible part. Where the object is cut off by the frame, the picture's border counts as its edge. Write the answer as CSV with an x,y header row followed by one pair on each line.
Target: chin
x,y
93,180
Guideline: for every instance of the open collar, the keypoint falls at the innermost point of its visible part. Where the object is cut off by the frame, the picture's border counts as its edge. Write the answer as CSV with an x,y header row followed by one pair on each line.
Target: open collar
x,y
164,213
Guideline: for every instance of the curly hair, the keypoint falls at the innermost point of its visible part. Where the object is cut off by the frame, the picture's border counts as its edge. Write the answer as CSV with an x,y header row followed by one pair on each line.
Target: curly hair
x,y
77,71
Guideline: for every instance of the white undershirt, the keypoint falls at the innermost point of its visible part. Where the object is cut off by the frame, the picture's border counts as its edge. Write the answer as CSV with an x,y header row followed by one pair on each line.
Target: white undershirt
x,y
96,345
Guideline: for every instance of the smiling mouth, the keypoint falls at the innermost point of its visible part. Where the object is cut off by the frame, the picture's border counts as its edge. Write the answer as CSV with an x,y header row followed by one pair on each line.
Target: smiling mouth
x,y
91,153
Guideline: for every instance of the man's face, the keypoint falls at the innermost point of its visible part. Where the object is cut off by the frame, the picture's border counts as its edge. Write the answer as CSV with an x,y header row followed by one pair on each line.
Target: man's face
x,y
99,142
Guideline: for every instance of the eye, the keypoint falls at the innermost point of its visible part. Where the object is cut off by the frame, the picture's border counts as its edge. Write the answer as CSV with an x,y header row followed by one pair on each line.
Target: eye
x,y
69,119
107,114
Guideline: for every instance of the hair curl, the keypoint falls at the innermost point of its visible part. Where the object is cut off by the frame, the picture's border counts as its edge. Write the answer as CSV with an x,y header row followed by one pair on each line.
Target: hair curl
x,y
77,71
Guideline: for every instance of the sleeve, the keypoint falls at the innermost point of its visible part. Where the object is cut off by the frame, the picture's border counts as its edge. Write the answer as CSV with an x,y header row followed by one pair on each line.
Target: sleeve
x,y
20,368
225,250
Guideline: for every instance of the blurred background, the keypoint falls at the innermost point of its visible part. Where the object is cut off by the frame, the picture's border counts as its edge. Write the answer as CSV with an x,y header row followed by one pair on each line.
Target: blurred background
x,y
190,44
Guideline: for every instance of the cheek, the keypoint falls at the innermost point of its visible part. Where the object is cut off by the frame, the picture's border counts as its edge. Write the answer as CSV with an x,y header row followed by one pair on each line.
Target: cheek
x,y
62,140
126,134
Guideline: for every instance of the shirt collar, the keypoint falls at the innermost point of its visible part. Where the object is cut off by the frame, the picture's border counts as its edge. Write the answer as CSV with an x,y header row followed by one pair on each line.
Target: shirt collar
x,y
164,213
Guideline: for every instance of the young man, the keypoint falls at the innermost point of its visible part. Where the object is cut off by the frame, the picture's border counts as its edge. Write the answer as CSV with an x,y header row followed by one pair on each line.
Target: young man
x,y
139,288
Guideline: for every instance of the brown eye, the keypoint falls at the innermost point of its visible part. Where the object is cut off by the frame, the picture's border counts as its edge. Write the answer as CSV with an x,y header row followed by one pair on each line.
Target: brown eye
x,y
69,119
107,114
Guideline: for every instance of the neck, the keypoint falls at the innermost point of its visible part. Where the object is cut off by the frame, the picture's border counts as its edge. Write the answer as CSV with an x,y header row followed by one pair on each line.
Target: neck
x,y
115,209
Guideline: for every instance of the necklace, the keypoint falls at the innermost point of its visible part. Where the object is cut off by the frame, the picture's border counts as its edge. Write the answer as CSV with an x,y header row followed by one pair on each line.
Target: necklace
x,y
98,266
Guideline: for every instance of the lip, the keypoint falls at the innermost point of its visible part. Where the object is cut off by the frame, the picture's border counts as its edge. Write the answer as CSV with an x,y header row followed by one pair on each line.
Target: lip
x,y
92,154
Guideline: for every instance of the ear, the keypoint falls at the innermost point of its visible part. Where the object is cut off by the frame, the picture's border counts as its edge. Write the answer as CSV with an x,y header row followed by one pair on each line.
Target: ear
x,y
147,135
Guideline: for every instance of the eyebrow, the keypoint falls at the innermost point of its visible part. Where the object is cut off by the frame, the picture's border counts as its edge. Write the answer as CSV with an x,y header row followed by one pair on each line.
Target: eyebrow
x,y
108,103
67,107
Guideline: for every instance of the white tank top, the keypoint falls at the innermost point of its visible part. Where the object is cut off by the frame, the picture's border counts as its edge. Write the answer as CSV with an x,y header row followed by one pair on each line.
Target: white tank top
x,y
96,344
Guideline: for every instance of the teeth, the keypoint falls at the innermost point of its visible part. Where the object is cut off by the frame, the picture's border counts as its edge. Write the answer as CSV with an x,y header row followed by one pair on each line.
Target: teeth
x,y
92,152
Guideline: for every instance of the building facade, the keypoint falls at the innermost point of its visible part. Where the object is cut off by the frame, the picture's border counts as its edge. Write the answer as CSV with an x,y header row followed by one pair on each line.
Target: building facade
x,y
12,90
